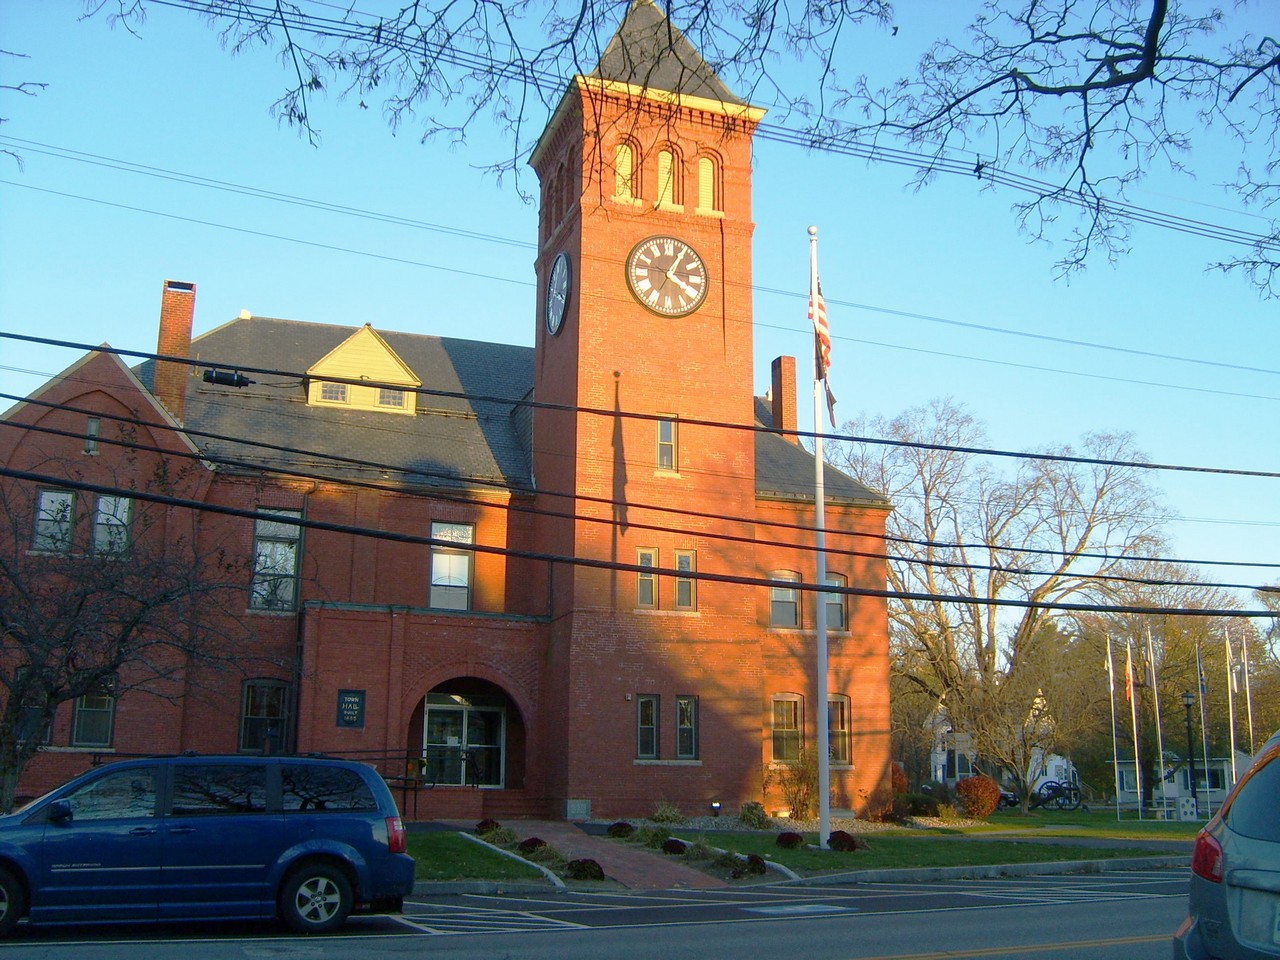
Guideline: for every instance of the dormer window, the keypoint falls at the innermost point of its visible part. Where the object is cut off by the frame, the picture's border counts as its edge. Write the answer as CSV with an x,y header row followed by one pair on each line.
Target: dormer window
x,y
388,397
333,392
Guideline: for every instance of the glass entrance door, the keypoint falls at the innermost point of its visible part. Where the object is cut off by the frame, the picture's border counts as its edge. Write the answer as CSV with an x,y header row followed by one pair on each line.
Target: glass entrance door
x,y
463,743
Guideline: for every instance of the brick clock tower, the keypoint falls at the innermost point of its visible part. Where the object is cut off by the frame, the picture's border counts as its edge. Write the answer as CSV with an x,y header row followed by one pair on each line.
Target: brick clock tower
x,y
643,450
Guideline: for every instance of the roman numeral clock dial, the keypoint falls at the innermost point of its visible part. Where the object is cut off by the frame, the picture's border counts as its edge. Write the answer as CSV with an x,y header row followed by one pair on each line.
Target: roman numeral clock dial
x,y
667,276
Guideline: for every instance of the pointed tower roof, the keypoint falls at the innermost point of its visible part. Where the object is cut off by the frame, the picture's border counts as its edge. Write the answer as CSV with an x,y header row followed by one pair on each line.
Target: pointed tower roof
x,y
648,51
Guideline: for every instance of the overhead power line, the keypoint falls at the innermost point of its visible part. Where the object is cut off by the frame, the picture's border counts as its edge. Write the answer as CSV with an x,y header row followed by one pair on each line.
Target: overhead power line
x,y
353,530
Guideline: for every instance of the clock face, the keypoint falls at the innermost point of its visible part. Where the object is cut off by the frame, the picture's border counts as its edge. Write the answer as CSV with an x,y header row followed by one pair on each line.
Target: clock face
x,y
667,276
557,292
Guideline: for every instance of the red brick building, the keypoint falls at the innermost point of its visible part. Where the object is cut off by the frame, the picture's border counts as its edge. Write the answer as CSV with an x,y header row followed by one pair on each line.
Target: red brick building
x,y
550,581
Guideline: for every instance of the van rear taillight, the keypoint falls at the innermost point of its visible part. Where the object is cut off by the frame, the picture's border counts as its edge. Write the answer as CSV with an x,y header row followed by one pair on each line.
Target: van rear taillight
x,y
1206,858
396,842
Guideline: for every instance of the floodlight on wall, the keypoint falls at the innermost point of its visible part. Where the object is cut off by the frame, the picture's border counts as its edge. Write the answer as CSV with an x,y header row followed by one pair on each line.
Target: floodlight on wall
x,y
715,808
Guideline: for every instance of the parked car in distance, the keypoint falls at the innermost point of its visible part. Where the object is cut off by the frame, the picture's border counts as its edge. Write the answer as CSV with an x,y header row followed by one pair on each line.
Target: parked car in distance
x,y
1234,903
305,839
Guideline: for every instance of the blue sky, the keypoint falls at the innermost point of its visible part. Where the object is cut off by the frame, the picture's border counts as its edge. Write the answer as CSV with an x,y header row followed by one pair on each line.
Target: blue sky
x,y
909,275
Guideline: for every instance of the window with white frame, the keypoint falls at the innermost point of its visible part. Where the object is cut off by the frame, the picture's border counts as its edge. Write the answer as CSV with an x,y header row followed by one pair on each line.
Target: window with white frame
x,y
787,727
839,730
277,554
451,564
390,397
686,727
647,726
334,392
55,516
112,518
668,444
835,602
93,719
646,578
784,601
264,716
92,431
686,586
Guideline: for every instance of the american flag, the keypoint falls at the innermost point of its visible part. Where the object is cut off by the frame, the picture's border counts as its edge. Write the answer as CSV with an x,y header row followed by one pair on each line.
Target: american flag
x,y
821,333
822,347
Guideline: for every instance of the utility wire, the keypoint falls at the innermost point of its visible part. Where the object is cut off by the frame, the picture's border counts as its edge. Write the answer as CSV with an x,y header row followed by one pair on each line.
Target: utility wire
x,y
352,530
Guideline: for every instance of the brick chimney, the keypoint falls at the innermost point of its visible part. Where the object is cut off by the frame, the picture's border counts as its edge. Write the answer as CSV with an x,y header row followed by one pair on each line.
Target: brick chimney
x,y
783,395
177,313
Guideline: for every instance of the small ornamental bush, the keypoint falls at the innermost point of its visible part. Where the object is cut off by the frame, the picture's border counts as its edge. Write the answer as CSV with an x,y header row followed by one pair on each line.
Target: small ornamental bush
x,y
948,813
790,840
898,778
530,845
502,837
756,864
979,796
674,847
915,805
844,842
936,789
752,815
488,825
620,830
653,837
666,813
584,870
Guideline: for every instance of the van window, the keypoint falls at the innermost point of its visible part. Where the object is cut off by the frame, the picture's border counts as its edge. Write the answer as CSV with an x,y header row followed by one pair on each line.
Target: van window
x,y
201,789
122,794
316,787
1253,811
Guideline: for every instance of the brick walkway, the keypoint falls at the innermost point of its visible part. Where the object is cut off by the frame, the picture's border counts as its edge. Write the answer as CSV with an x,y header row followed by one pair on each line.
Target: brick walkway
x,y
635,867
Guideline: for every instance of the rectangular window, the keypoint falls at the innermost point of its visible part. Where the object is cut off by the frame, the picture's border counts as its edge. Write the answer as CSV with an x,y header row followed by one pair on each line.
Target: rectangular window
x,y
784,601
388,397
451,567
264,716
93,719
788,729
686,587
835,603
686,728
647,726
647,580
668,451
55,513
276,556
209,789
839,734
333,392
111,519
92,431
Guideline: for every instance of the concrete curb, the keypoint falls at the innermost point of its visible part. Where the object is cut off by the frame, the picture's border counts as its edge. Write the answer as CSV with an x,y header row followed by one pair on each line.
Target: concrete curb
x,y
554,880
990,871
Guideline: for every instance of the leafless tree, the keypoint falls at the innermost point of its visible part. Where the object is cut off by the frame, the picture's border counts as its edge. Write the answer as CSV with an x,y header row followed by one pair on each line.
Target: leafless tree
x,y
121,601
1091,94
28,88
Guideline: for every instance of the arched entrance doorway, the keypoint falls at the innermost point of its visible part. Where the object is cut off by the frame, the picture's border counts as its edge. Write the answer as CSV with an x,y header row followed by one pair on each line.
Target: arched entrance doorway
x,y
469,733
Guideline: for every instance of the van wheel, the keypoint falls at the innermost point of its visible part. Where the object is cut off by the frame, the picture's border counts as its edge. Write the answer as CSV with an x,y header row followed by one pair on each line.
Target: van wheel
x,y
316,898
13,902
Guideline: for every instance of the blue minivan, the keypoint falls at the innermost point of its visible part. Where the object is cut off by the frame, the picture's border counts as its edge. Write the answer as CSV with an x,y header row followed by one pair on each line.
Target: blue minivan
x,y
305,839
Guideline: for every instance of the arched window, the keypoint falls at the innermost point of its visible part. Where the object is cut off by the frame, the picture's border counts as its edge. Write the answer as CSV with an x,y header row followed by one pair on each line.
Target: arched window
x,y
709,186
624,171
669,186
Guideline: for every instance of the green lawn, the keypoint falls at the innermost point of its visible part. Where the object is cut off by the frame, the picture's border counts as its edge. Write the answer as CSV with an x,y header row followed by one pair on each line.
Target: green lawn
x,y
1097,822
443,855
898,850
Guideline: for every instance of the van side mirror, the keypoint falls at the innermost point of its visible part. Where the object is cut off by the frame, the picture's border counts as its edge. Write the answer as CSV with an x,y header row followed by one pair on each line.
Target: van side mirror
x,y
60,811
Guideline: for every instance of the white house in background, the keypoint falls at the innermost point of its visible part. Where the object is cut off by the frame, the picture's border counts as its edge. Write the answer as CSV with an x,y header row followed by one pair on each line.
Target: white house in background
x,y
953,757
1212,784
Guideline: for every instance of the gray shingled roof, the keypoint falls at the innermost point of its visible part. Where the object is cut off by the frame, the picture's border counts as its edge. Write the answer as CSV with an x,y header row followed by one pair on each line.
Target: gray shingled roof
x,y
648,51
450,442
785,469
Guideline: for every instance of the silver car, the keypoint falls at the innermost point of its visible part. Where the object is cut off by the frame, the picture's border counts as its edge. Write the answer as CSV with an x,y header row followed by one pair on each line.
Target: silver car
x,y
1234,909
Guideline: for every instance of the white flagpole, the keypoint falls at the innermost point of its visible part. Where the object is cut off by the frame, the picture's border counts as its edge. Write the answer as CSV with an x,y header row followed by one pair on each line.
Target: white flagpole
x,y
820,616
1131,687
1155,694
1115,750
1201,691
1248,694
1231,703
